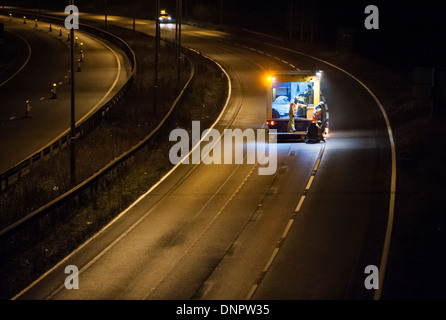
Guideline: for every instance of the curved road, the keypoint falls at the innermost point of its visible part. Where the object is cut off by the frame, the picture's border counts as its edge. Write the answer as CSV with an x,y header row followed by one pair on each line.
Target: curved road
x,y
226,232
104,71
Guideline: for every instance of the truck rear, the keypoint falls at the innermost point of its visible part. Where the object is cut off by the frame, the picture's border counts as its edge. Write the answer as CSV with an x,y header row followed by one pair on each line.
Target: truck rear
x,y
299,87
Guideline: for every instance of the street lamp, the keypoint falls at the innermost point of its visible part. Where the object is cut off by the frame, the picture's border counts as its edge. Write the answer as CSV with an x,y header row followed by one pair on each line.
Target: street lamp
x,y
157,40
73,117
179,12
221,11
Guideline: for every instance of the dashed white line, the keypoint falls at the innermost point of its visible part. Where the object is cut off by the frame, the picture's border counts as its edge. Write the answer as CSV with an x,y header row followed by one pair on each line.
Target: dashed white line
x,y
299,205
287,228
316,166
309,182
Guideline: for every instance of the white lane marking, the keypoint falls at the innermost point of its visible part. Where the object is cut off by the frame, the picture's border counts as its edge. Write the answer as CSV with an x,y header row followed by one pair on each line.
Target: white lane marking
x,y
316,166
287,229
118,74
24,64
390,219
309,182
299,205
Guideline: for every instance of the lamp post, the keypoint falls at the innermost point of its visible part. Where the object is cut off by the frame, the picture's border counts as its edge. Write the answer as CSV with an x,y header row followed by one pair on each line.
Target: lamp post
x,y
157,40
73,117
221,11
157,45
178,37
291,19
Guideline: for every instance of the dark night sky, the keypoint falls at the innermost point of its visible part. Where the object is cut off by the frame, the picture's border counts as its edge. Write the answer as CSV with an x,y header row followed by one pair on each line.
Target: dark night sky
x,y
409,32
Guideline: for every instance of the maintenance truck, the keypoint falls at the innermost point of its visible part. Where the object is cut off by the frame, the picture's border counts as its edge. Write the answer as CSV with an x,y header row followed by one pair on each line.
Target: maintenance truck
x,y
282,89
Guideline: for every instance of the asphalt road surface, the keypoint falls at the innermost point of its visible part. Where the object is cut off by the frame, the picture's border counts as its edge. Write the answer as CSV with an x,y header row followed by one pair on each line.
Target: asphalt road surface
x,y
104,70
226,232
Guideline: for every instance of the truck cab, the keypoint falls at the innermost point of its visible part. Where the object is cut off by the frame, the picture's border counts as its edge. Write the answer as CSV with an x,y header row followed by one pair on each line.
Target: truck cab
x,y
284,88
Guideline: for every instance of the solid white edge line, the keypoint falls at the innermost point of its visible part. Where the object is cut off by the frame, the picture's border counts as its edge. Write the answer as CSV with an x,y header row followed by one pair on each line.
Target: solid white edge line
x,y
271,259
386,247
140,198
26,61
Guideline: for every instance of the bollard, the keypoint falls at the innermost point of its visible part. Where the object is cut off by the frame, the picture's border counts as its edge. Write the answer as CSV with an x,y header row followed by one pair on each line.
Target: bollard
x,y
82,56
54,91
24,20
79,67
10,17
75,42
35,23
51,28
68,36
134,24
60,32
27,109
